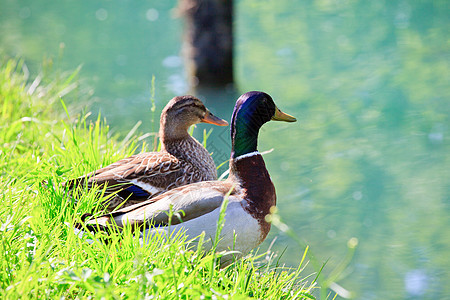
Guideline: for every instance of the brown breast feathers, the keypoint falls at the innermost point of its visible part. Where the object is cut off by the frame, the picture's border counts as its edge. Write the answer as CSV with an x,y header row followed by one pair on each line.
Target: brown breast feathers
x,y
258,189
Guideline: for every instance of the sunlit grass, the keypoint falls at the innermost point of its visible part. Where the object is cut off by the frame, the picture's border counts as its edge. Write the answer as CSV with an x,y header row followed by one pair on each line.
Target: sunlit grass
x,y
40,147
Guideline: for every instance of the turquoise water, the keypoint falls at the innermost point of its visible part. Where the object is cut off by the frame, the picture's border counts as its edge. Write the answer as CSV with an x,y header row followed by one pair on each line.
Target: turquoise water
x,y
367,80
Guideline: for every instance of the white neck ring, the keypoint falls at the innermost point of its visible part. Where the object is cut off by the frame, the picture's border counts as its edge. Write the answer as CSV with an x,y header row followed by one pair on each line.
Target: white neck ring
x,y
247,155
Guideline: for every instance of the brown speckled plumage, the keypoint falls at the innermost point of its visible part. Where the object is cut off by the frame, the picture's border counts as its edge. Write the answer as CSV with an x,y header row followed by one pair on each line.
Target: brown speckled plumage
x,y
182,159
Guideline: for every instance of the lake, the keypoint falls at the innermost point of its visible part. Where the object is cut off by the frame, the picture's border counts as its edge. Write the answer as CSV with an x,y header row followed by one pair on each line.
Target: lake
x,y
369,82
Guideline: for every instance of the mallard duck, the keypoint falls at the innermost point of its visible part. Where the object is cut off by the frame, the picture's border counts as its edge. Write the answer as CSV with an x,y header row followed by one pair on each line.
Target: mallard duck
x,y
249,190
182,159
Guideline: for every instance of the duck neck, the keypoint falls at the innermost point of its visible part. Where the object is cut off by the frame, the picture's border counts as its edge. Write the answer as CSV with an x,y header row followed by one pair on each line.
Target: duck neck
x,y
170,132
244,134
246,163
177,141
244,141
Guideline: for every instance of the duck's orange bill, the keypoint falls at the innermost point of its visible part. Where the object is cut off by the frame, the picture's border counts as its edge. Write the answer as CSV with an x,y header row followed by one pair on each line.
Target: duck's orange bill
x,y
212,119
281,116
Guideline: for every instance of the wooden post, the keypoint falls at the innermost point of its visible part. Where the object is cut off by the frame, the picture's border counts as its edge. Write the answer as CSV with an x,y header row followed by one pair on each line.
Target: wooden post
x,y
208,41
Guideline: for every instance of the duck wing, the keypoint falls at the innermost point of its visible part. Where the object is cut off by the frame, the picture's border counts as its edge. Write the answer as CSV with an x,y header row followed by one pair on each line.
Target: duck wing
x,y
186,203
137,177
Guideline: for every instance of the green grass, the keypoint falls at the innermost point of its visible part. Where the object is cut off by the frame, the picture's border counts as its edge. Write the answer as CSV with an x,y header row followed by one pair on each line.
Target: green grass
x,y
41,255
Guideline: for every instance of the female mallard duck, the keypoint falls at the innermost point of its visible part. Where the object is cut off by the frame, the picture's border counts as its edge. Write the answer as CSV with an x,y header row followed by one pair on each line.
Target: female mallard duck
x,y
182,159
249,189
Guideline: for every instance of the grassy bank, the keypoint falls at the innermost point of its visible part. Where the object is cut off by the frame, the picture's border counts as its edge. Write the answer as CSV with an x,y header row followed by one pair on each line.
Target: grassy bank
x,y
41,255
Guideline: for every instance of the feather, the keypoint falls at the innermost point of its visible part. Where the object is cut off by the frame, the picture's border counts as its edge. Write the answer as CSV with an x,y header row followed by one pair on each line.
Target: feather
x,y
182,159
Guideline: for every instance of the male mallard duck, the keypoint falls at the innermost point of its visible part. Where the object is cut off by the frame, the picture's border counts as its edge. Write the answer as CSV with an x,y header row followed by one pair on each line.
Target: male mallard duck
x,y
182,159
250,191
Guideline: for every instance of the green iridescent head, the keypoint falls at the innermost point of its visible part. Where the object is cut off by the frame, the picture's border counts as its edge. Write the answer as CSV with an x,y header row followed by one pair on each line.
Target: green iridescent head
x,y
251,111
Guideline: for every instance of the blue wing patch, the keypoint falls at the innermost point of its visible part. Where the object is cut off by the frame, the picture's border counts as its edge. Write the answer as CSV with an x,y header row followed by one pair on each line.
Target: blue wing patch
x,y
137,191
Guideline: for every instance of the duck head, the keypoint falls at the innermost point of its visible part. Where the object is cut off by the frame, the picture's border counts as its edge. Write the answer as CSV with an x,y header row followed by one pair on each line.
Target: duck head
x,y
182,112
251,111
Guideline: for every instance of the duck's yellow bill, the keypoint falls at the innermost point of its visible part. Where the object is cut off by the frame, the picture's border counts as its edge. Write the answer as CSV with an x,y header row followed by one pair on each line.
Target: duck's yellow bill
x,y
212,119
281,116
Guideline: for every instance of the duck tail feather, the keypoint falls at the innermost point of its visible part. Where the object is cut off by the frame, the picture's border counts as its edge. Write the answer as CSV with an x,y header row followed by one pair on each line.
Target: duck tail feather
x,y
106,230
